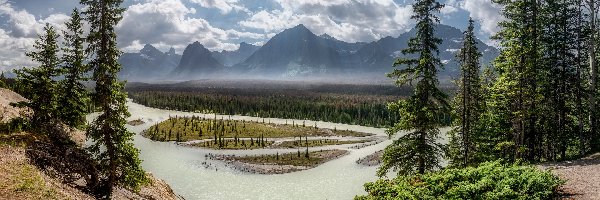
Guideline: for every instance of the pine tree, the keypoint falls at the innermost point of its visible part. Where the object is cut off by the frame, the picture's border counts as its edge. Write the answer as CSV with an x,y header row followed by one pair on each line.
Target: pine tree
x,y
592,7
467,102
557,79
38,84
74,99
2,80
119,161
418,151
515,91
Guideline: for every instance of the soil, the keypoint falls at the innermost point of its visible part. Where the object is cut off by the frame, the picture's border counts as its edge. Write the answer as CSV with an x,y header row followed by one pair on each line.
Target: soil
x,y
136,122
8,112
270,168
582,177
371,160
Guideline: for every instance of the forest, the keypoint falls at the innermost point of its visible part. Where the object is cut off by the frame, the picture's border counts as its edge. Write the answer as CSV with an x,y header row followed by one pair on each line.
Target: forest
x,y
324,103
537,102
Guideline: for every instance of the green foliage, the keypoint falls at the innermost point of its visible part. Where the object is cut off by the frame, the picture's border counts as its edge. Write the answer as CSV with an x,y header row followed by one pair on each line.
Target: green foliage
x,y
468,104
535,105
418,151
74,99
490,180
38,84
117,156
188,127
318,105
2,79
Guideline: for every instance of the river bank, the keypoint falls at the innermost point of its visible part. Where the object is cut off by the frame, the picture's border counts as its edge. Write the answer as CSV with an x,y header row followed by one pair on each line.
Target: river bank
x,y
280,163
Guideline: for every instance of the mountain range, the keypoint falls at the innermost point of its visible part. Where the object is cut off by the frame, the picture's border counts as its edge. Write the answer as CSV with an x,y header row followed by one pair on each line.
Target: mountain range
x,y
295,53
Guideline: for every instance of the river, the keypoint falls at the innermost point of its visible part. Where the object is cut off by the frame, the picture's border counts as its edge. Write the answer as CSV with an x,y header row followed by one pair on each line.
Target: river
x,y
185,168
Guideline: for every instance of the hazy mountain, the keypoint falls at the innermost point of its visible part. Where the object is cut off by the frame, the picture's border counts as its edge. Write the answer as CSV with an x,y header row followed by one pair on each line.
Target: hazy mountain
x,y
379,56
196,62
230,58
148,64
295,53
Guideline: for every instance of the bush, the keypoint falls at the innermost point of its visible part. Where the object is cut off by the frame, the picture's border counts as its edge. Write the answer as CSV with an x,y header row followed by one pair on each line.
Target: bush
x,y
490,180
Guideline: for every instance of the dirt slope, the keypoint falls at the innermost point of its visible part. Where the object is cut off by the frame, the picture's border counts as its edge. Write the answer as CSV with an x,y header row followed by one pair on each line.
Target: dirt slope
x,y
21,180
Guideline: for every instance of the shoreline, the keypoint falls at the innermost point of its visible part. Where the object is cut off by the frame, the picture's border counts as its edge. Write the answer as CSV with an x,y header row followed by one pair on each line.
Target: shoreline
x,y
237,163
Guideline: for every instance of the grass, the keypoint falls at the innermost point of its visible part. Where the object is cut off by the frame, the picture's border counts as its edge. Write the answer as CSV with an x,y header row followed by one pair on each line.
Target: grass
x,y
184,129
20,180
313,159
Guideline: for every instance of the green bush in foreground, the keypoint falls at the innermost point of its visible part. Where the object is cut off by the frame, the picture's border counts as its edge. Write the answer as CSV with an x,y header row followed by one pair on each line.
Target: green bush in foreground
x,y
491,180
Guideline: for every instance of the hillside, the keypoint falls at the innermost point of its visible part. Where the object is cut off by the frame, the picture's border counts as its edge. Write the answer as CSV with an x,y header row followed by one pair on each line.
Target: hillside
x,y
19,179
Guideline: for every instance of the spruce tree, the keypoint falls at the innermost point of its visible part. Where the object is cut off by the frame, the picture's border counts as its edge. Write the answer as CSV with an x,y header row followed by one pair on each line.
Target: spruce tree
x,y
38,84
418,151
467,102
118,157
514,94
74,98
2,79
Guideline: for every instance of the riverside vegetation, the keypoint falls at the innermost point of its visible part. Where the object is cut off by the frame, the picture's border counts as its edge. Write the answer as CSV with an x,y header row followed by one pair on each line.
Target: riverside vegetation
x,y
367,107
236,134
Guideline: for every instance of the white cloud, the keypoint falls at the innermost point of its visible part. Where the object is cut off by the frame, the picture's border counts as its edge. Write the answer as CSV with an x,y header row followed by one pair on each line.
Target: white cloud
x,y
486,12
348,20
225,6
448,9
18,37
168,22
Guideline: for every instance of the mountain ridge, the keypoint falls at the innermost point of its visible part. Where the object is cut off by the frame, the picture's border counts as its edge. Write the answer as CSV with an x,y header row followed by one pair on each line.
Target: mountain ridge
x,y
297,53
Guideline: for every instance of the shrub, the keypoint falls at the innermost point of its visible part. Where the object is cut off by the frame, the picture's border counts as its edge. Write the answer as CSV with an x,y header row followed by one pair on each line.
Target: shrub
x,y
490,180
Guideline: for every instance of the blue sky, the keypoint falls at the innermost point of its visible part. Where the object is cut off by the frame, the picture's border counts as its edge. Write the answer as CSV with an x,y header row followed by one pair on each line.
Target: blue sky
x,y
223,24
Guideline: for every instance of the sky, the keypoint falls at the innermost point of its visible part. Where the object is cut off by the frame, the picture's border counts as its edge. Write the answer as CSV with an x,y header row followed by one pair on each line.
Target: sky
x,y
223,24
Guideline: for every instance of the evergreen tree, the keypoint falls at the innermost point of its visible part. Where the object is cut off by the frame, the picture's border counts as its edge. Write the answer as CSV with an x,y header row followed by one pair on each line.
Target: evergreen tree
x,y
118,158
418,151
515,91
467,102
557,79
2,79
592,7
74,99
38,84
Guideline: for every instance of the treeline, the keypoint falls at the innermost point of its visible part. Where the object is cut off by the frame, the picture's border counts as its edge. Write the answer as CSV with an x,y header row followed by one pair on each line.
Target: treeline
x,y
59,103
367,110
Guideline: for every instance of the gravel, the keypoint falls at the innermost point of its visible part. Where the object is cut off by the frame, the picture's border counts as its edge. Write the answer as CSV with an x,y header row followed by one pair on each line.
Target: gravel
x,y
582,176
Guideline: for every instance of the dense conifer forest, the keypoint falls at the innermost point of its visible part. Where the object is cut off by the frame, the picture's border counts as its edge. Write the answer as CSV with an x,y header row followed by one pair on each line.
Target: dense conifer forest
x,y
365,106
